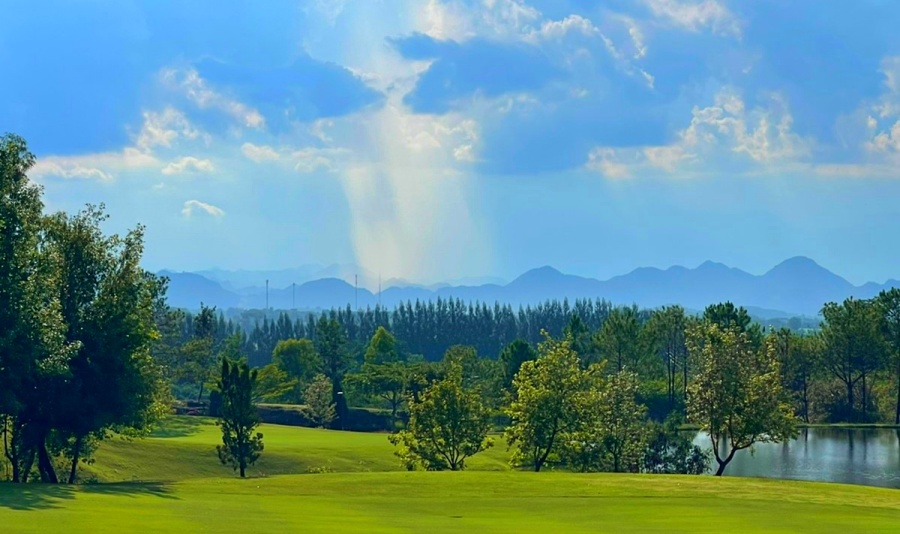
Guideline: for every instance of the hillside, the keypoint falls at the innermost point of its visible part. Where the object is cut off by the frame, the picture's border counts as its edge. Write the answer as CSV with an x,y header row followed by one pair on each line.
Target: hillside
x,y
798,286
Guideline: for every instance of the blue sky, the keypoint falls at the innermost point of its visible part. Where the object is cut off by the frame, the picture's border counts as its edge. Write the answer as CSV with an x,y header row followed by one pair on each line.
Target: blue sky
x,y
440,139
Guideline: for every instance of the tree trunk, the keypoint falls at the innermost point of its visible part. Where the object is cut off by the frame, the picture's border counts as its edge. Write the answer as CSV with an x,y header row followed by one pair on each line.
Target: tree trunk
x,y
724,463
243,469
26,465
76,453
865,400
850,399
897,416
45,464
200,395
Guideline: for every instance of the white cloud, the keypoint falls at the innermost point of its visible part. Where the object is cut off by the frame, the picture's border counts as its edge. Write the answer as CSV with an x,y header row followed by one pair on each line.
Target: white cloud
x,y
723,134
193,206
195,88
459,21
259,153
883,117
311,159
163,128
101,166
188,164
696,15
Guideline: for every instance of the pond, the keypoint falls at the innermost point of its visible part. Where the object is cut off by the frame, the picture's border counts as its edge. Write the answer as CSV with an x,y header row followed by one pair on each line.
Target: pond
x,y
869,456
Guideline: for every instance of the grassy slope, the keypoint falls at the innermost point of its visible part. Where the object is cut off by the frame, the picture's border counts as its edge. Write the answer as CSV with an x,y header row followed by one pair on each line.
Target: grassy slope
x,y
193,493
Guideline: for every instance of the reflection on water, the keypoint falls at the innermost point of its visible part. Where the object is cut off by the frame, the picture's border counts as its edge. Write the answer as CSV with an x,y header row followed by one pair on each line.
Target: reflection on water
x,y
853,456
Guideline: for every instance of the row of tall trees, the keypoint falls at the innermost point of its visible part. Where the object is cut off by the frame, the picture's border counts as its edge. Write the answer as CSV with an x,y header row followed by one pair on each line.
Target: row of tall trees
x,y
76,325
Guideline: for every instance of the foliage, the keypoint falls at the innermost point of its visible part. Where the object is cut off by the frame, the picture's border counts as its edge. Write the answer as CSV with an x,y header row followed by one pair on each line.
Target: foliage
x,y
546,403
273,385
319,408
446,426
671,452
512,357
854,350
737,396
241,445
298,359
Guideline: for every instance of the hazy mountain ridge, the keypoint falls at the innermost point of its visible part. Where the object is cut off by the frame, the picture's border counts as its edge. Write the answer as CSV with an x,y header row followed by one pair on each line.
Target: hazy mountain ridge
x,y
796,286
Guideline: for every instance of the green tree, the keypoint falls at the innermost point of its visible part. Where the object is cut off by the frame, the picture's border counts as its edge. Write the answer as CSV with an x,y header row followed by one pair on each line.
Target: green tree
x,y
889,303
331,341
547,403
621,421
241,444
107,302
800,358
855,348
299,360
671,452
198,354
621,342
385,381
319,407
273,385
737,396
512,357
449,424
34,353
666,329
382,348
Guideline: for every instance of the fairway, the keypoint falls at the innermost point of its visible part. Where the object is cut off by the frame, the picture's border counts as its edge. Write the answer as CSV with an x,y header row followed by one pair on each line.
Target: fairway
x,y
318,480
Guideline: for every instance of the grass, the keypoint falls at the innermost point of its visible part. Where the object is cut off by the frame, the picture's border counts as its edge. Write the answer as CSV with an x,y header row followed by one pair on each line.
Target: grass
x,y
184,489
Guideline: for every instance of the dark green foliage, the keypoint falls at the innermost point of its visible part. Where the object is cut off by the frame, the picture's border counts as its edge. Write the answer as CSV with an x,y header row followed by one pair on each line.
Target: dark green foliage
x,y
512,357
670,451
241,445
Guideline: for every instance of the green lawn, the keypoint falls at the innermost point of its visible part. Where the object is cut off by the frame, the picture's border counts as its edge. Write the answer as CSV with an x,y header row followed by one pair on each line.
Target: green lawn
x,y
184,489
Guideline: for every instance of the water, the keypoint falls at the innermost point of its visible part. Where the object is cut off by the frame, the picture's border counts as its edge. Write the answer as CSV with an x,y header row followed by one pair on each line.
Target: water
x,y
869,457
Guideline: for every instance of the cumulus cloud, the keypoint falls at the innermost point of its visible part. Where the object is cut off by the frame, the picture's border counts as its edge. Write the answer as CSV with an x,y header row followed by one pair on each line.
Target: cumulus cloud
x,y
459,21
195,206
162,128
101,166
197,90
725,132
188,164
259,153
696,15
883,117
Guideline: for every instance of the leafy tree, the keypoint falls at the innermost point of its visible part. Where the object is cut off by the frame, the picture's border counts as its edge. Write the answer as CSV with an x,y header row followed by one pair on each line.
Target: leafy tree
x,y
670,452
331,340
386,381
621,342
737,396
889,303
382,348
547,401
449,424
273,385
33,350
319,407
609,434
621,421
854,348
512,357
666,329
198,354
241,445
581,339
800,359
107,303
298,359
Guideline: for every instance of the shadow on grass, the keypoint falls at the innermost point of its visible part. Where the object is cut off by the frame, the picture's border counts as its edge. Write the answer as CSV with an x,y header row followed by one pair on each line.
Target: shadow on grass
x,y
46,496
178,427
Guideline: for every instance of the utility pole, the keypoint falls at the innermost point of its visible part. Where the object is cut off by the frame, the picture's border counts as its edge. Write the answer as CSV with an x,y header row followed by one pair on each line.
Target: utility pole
x,y
267,295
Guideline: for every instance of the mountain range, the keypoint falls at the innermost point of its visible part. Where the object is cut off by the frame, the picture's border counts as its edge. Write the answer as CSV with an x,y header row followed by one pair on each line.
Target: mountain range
x,y
798,286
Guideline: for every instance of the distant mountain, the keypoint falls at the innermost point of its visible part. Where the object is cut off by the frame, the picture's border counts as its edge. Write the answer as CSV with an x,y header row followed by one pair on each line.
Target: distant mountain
x,y
798,286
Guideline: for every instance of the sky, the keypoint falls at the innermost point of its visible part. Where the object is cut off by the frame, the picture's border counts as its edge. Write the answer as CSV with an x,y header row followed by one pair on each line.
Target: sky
x,y
433,140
